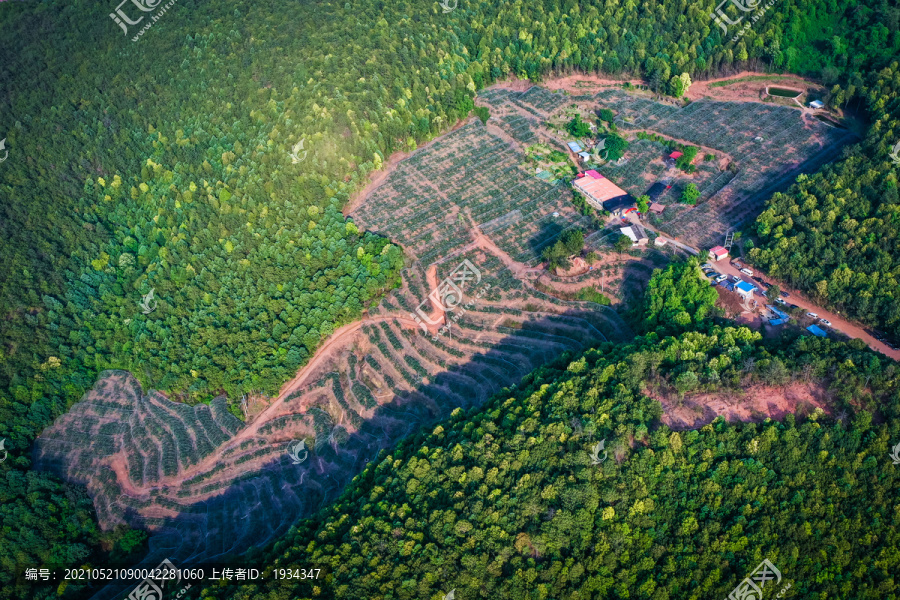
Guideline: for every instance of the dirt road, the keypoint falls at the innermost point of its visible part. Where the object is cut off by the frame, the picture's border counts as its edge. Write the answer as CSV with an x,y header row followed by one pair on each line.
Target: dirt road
x,y
838,323
272,411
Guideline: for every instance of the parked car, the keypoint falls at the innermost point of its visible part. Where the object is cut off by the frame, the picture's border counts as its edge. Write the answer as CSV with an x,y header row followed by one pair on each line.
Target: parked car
x,y
812,315
780,301
706,266
825,322
736,278
793,306
747,272
721,278
785,294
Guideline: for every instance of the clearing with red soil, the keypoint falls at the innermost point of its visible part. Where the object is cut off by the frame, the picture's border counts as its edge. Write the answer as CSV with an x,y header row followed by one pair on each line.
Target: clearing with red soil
x,y
752,404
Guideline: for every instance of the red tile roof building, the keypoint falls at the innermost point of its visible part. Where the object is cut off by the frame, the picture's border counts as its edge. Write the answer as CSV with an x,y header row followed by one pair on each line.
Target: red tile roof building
x,y
600,190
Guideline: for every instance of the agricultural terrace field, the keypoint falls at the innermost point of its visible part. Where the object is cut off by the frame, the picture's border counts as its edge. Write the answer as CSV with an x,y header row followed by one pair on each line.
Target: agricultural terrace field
x,y
469,177
747,170
209,486
790,145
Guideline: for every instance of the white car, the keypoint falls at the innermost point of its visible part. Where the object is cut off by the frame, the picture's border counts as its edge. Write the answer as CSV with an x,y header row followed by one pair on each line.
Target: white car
x,y
780,301
812,315
721,278
825,322
747,272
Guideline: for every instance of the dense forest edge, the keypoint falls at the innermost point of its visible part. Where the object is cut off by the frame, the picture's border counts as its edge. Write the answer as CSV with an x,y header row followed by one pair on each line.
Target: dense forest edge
x,y
510,501
208,164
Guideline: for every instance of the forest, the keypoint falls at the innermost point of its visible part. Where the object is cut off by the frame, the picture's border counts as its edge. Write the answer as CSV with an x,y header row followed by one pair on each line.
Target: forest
x,y
505,501
835,233
208,163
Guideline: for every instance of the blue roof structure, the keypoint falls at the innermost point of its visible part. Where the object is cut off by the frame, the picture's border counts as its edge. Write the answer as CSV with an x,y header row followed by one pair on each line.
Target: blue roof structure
x,y
574,147
781,314
777,322
813,329
745,288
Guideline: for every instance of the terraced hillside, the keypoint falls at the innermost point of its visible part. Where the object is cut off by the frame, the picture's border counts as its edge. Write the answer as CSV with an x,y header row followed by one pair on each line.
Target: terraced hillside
x,y
769,144
469,177
470,318
467,321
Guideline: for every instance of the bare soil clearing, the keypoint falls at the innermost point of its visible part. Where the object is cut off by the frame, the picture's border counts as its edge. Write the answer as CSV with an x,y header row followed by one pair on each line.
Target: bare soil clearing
x,y
753,404
753,90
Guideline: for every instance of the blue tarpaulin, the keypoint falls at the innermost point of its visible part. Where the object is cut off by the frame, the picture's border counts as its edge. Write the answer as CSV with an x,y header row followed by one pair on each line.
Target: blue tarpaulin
x,y
815,330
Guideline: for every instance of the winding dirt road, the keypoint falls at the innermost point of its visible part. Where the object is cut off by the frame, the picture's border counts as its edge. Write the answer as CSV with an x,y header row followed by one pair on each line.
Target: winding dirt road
x,y
276,409
838,323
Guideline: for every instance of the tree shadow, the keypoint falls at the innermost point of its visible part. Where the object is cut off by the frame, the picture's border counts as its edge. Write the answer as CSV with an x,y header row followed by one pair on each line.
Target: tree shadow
x,y
259,507
546,236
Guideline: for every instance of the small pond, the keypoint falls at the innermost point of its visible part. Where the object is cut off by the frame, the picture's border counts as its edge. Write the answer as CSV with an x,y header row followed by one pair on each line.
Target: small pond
x,y
783,92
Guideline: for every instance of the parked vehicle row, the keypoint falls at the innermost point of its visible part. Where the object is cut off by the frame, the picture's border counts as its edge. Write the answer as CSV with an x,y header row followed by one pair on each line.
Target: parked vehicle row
x,y
711,273
821,320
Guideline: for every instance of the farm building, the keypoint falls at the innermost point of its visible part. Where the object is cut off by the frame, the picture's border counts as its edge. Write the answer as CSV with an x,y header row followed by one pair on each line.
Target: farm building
x,y
660,241
817,104
817,331
717,253
636,234
641,234
744,289
584,155
574,147
603,193
656,208
670,160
